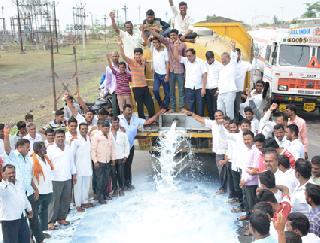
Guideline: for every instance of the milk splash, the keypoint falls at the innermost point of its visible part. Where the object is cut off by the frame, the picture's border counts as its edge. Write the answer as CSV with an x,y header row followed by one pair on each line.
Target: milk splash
x,y
169,164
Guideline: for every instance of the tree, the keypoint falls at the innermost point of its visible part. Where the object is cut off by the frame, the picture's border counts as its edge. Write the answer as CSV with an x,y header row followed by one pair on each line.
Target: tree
x,y
275,20
312,10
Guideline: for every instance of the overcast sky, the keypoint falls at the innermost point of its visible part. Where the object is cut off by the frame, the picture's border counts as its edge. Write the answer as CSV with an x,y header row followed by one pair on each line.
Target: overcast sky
x,y
249,11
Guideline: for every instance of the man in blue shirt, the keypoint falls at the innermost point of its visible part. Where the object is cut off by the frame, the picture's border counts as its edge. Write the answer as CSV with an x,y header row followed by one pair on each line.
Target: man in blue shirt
x,y
24,172
131,123
313,199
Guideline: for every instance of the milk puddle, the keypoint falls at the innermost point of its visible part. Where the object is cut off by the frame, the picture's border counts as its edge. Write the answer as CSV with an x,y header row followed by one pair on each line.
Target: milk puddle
x,y
165,207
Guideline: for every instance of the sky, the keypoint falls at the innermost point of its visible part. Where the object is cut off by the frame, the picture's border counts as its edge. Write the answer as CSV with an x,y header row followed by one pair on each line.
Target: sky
x,y
249,11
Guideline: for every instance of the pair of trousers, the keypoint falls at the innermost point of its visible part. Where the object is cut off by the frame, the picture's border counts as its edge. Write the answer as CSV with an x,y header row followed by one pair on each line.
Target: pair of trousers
x,y
194,101
237,102
118,175
231,190
142,97
102,176
59,207
158,81
94,179
127,168
225,103
236,176
173,78
210,100
115,107
15,231
123,100
43,207
250,197
222,169
81,190
34,222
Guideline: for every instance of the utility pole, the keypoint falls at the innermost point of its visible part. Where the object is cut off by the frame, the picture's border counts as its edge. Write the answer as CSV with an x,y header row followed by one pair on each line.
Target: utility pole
x,y
55,25
125,9
52,65
19,29
76,67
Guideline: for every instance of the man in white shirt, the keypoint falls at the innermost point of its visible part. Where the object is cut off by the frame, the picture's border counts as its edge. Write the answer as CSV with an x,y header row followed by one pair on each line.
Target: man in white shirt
x,y
81,148
284,166
226,83
14,203
259,227
182,22
42,177
160,61
242,68
122,150
110,82
299,223
72,132
248,112
219,144
32,135
298,198
64,174
295,146
195,80
279,136
213,69
130,39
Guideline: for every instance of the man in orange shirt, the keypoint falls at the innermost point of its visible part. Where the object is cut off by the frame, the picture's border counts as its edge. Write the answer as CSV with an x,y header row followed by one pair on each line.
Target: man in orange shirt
x,y
139,84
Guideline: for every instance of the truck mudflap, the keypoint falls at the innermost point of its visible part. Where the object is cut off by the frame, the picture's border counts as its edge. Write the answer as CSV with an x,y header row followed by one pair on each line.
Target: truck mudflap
x,y
306,103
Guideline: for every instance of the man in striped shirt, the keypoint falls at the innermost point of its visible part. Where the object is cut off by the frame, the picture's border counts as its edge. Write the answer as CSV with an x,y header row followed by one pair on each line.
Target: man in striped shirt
x,y
139,84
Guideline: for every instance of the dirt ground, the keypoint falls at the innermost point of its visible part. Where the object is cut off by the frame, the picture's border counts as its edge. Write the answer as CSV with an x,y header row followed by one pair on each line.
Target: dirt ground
x,y
25,79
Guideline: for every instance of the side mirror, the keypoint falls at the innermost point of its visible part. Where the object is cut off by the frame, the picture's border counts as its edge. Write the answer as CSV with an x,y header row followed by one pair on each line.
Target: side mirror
x,y
274,54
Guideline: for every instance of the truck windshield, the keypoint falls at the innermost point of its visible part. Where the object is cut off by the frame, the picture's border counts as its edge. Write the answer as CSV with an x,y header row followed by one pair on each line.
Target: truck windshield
x,y
294,55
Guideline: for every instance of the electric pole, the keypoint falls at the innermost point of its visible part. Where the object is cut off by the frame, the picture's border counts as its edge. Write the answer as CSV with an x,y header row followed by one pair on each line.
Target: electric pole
x,y
125,9
139,9
105,28
19,28
55,25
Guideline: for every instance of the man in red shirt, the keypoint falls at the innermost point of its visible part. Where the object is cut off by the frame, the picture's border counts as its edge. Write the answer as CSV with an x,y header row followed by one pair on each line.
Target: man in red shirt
x,y
284,207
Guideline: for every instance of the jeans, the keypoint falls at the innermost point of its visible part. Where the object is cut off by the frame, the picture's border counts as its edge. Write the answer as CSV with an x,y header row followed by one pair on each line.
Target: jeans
x,y
158,81
237,102
118,175
34,221
210,100
173,78
115,107
194,101
43,206
102,176
15,231
127,168
225,103
142,97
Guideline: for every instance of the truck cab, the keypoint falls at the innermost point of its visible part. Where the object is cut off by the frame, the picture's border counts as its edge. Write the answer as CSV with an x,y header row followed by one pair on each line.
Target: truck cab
x,y
293,68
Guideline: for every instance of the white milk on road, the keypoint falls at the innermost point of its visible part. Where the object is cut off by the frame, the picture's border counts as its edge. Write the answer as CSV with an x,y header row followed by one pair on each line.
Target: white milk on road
x,y
162,209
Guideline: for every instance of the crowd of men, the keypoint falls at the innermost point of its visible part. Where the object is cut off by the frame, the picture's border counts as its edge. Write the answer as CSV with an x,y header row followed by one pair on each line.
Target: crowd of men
x,y
261,153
